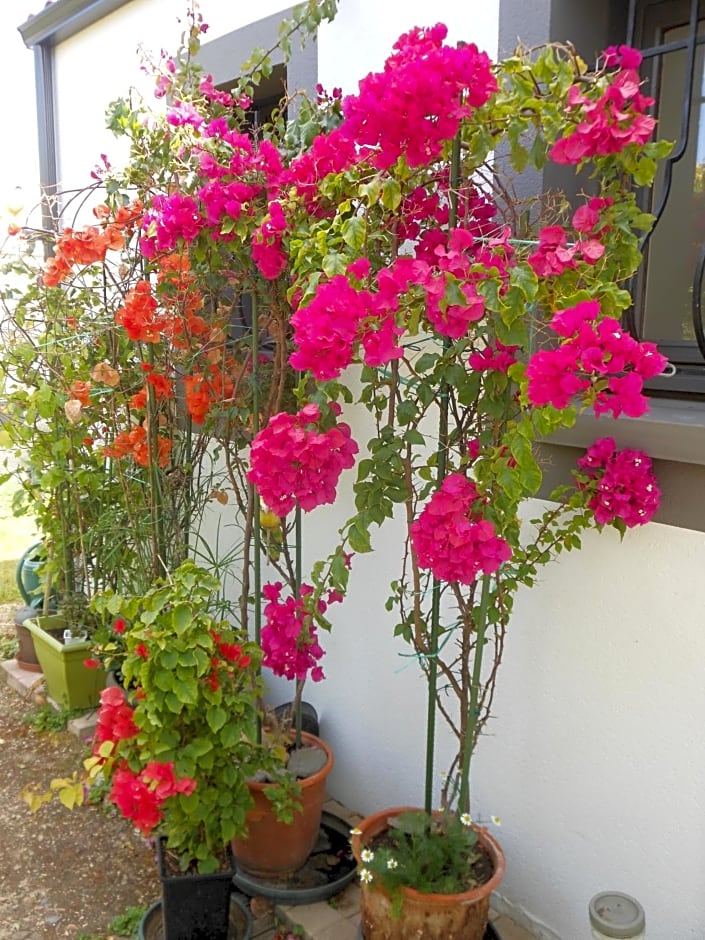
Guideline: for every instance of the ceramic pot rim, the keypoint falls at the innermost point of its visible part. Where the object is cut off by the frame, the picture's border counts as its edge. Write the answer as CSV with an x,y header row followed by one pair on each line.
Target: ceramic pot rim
x,y
373,825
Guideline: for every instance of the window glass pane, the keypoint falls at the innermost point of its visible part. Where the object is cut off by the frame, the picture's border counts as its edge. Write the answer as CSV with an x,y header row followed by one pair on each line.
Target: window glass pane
x,y
677,240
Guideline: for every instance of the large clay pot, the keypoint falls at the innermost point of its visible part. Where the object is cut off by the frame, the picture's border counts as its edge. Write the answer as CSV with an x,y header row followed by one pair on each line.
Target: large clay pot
x,y
425,916
274,849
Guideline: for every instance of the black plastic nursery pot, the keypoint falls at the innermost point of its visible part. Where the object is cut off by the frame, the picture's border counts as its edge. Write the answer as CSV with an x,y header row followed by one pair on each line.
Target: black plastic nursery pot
x,y
195,907
239,925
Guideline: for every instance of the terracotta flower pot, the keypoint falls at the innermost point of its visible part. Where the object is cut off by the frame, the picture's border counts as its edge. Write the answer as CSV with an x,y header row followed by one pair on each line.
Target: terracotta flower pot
x,y
274,849
425,916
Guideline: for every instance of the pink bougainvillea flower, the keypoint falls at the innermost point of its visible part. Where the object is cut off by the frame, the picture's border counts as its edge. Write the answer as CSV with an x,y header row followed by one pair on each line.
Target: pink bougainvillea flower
x,y
296,460
115,718
289,637
390,117
594,352
136,800
452,539
622,484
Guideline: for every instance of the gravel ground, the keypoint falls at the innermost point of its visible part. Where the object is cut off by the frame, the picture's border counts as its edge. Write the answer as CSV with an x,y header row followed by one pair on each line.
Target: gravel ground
x,y
63,874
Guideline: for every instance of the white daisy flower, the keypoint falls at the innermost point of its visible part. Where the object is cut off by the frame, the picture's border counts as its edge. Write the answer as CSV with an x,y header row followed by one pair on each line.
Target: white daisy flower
x,y
366,855
466,819
392,863
366,876
356,832
496,820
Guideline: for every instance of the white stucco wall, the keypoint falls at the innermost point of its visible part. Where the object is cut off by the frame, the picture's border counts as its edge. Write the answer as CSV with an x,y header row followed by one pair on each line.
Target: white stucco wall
x,y
595,760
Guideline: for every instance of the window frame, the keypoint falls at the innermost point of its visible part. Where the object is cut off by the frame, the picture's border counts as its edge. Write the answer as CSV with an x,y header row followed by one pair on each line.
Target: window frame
x,y
686,377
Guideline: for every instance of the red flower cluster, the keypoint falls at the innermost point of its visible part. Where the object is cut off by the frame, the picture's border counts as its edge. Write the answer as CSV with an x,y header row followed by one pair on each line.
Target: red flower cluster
x,y
595,352
139,796
623,484
115,718
293,460
452,539
611,123
289,639
231,658
140,316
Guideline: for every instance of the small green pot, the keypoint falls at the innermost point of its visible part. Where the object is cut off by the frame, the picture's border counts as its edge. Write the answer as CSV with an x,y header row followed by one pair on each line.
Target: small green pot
x,y
69,683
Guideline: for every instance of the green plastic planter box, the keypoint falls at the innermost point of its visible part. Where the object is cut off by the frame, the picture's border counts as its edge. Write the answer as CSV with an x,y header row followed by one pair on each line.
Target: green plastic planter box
x,y
69,683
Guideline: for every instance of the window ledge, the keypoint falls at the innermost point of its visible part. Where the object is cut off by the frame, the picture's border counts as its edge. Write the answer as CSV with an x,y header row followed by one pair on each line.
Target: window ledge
x,y
671,430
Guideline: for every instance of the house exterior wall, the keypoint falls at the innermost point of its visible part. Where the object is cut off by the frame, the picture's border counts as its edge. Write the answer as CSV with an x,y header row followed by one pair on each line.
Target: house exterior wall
x,y
594,759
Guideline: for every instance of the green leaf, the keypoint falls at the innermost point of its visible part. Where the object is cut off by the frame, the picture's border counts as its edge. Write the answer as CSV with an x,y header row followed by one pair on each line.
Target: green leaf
x,y
391,194
354,232
182,618
334,264
216,718
370,192
359,538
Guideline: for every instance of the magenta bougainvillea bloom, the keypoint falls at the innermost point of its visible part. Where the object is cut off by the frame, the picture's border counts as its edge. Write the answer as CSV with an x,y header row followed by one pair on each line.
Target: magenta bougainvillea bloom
x,y
172,219
390,116
451,537
289,638
593,350
494,358
294,460
326,330
555,253
611,123
623,483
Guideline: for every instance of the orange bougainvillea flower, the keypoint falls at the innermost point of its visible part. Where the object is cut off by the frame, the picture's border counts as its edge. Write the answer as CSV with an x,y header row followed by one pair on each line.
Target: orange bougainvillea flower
x,y
55,270
134,443
81,391
90,244
139,401
162,386
204,390
139,314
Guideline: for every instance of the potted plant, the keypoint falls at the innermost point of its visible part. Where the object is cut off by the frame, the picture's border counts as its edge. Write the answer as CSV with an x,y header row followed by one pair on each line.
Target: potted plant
x,y
277,843
62,644
233,374
471,324
178,760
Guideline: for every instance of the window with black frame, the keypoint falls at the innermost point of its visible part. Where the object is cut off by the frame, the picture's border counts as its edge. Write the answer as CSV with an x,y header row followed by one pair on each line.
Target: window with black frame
x,y
669,292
